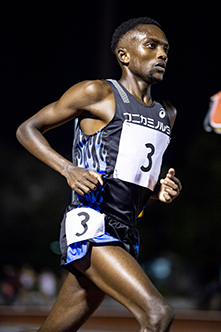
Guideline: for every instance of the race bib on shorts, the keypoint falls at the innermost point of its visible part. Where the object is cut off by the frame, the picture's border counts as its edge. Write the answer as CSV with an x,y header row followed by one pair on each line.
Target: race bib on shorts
x,y
83,223
140,155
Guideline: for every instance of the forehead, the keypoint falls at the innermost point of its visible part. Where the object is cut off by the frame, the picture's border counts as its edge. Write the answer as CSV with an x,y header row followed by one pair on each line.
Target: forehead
x,y
144,31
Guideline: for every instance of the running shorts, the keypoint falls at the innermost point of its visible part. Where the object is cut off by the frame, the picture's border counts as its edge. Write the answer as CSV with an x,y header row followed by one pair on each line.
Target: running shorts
x,y
116,233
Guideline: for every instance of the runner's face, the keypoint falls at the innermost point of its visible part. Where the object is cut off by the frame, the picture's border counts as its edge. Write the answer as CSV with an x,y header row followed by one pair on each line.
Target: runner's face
x,y
148,49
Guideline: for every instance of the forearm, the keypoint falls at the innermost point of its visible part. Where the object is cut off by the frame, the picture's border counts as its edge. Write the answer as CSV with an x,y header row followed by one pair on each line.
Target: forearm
x,y
79,179
33,140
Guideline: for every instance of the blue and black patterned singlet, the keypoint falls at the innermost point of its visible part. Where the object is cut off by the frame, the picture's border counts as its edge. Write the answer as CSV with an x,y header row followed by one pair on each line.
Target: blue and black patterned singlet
x,y
128,153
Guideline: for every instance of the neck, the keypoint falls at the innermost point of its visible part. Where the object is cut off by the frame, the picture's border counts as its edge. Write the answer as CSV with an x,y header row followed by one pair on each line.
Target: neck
x,y
138,88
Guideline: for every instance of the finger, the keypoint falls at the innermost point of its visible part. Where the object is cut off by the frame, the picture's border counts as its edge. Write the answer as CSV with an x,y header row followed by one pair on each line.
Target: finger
x,y
167,197
179,184
171,172
171,175
84,188
176,181
89,181
172,193
80,187
97,176
171,189
167,183
88,178
87,185
79,192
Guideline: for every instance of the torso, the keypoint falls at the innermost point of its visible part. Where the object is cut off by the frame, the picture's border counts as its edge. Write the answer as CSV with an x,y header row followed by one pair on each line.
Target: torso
x,y
123,198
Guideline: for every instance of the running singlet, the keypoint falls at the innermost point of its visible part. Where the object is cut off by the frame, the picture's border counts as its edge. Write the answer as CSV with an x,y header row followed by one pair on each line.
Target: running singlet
x,y
128,153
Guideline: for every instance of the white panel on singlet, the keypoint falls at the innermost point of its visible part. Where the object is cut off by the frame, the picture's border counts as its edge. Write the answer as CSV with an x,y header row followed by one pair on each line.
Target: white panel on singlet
x,y
140,155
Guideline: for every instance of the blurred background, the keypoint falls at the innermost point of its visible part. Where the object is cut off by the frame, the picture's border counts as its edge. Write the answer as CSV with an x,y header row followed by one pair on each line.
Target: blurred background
x,y
46,47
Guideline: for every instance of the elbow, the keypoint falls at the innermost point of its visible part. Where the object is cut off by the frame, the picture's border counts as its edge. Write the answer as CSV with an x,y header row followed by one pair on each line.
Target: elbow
x,y
22,132
26,133
19,132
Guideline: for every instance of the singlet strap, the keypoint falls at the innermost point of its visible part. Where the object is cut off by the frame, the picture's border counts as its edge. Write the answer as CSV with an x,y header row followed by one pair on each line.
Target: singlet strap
x,y
122,93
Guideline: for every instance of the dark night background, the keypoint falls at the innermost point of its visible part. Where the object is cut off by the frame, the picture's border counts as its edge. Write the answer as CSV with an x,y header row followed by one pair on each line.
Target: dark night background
x,y
46,47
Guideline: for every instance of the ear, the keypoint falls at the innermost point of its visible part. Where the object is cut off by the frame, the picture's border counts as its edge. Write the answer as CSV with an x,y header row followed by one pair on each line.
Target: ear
x,y
123,56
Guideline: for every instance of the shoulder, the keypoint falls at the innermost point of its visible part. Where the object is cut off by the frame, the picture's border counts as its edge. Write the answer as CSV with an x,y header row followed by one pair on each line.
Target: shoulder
x,y
97,86
172,112
83,95
96,90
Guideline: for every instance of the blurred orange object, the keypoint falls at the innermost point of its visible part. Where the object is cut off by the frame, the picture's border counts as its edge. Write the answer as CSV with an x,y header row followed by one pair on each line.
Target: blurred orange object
x,y
212,120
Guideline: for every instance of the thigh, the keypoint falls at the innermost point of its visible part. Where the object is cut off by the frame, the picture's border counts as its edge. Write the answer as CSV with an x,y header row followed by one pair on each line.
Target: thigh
x,y
78,299
119,275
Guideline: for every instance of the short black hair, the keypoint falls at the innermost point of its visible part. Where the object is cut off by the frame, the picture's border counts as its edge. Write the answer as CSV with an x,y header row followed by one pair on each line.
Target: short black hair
x,y
127,26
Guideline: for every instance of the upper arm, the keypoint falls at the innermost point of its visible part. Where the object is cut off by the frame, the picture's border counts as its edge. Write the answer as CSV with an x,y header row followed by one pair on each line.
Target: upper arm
x,y
78,99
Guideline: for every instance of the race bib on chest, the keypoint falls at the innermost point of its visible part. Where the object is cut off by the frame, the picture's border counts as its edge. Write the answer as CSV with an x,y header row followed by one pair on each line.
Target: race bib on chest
x,y
140,155
83,223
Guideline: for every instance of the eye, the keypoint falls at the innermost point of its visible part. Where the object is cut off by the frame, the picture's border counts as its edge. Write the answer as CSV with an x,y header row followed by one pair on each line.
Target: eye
x,y
166,50
151,45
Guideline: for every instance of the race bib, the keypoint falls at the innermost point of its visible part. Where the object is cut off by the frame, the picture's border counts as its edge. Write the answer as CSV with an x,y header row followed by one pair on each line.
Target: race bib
x,y
140,155
83,223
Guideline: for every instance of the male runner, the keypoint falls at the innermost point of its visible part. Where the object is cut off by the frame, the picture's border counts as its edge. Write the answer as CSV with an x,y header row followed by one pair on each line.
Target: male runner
x,y
117,155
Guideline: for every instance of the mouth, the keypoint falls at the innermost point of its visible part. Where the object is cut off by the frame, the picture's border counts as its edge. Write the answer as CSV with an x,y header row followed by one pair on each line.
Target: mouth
x,y
161,66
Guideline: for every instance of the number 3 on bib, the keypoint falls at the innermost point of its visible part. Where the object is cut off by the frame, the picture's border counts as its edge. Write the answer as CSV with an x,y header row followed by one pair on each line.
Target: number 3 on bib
x,y
140,155
83,223
149,157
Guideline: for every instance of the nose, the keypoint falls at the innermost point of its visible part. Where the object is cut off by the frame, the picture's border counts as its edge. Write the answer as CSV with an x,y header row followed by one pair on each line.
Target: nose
x,y
161,54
